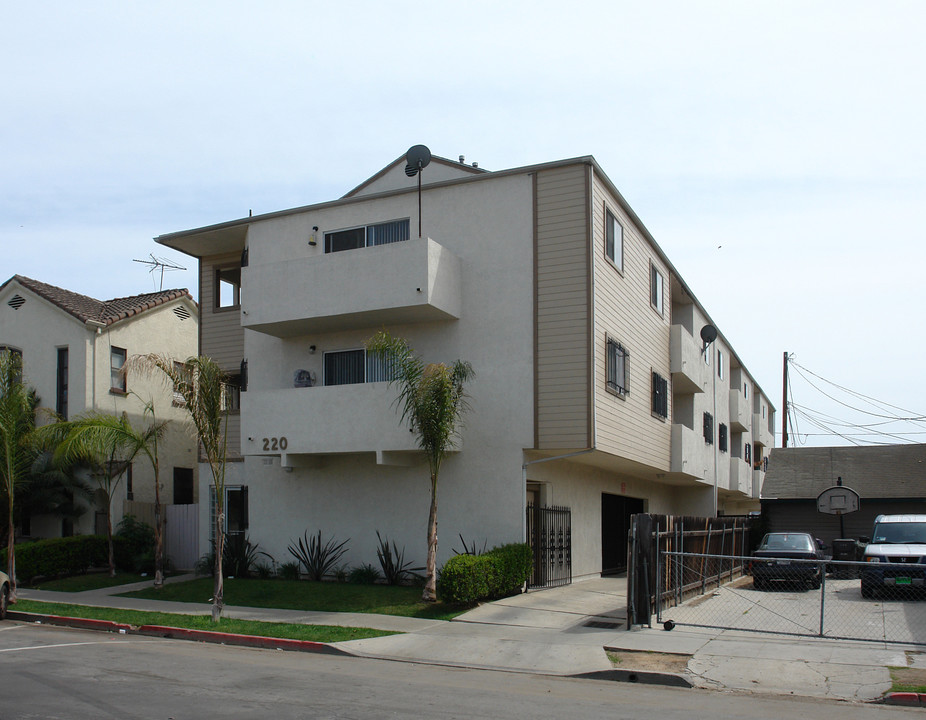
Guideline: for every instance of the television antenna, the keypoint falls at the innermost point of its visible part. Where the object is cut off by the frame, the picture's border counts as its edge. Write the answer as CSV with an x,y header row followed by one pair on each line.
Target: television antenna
x,y
417,159
157,263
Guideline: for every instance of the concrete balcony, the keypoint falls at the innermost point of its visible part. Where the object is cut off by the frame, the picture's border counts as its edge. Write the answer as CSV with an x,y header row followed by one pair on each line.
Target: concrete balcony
x,y
324,420
740,476
740,413
405,282
689,373
761,435
691,456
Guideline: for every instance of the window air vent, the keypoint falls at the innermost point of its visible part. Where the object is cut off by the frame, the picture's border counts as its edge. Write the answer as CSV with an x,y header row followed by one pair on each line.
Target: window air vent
x,y
182,313
16,302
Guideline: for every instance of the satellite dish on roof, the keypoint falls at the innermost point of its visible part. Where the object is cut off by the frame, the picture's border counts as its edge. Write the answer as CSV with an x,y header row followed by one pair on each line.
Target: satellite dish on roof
x,y
417,158
708,334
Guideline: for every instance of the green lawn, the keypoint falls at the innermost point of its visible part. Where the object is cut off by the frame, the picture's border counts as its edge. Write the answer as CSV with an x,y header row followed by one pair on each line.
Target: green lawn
x,y
307,595
315,633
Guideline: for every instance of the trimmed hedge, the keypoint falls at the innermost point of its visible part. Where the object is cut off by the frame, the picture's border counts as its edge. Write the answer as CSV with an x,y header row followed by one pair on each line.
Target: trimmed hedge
x,y
467,579
60,556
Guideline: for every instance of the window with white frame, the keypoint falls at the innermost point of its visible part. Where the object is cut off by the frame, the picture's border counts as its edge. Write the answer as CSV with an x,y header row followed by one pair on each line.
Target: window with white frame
x,y
182,373
720,364
618,368
656,288
348,367
614,240
367,236
19,359
117,358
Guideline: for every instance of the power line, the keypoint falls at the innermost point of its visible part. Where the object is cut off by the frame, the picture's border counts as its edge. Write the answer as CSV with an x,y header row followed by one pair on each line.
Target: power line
x,y
880,431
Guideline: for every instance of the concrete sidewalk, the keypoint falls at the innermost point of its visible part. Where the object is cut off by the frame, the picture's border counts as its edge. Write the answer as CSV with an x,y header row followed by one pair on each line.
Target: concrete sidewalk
x,y
564,631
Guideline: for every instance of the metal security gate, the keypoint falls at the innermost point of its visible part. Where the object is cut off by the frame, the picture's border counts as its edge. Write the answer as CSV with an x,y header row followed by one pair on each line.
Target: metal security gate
x,y
549,532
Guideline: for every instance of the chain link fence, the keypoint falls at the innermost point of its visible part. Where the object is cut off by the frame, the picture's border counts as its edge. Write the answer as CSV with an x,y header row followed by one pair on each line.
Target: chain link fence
x,y
834,599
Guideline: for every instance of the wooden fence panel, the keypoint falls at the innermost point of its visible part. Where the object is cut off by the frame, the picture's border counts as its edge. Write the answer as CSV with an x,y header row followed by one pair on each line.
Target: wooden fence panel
x,y
181,530
182,542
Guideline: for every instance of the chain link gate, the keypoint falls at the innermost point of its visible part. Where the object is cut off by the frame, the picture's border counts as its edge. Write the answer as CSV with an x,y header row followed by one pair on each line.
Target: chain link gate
x,y
787,596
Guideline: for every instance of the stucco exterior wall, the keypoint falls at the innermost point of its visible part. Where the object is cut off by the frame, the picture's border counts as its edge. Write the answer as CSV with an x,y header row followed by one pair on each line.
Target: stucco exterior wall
x,y
494,332
39,328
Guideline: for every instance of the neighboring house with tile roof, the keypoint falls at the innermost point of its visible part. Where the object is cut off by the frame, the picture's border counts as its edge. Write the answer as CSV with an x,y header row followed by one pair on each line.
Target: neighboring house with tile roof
x,y
73,347
890,479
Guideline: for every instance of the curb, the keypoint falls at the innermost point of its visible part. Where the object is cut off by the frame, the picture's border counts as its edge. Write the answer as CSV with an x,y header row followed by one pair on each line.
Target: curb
x,y
646,677
80,623
254,641
907,699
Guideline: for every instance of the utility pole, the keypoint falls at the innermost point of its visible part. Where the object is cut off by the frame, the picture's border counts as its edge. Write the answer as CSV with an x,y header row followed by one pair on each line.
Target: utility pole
x,y
784,401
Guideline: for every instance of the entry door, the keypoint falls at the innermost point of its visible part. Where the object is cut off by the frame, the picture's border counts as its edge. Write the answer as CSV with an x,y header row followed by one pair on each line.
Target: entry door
x,y
615,524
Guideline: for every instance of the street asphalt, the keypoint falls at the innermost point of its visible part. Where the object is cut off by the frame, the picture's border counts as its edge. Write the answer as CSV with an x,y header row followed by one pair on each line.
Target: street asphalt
x,y
564,631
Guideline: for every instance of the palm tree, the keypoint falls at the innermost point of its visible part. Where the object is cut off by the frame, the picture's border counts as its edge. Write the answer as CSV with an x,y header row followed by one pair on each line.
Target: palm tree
x,y
54,490
201,383
17,420
433,402
109,443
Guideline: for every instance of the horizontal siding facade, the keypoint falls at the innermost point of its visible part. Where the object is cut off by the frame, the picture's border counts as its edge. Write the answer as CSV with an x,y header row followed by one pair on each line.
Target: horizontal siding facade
x,y
562,308
222,334
625,425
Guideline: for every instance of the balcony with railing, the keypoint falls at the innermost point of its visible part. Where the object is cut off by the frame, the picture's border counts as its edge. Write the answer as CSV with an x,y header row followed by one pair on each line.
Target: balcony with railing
x,y
689,373
324,420
412,281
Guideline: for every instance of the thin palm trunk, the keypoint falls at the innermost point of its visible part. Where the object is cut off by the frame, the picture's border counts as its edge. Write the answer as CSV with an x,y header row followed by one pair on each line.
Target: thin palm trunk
x,y
11,553
109,537
158,539
430,586
218,595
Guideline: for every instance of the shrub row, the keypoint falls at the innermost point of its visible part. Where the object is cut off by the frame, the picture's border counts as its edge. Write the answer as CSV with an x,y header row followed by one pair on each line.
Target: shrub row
x,y
60,556
466,579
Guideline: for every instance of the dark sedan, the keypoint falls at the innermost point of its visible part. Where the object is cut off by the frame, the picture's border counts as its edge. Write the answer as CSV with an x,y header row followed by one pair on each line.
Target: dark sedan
x,y
785,558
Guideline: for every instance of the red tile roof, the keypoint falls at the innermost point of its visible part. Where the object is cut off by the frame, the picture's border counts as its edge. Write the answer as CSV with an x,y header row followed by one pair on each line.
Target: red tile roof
x,y
87,309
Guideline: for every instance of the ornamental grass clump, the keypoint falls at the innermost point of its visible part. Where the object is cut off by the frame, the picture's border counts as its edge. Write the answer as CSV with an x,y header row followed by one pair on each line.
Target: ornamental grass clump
x,y
318,558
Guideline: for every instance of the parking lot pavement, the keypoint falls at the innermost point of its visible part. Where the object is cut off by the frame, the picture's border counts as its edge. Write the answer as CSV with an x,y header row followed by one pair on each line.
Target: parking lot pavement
x,y
837,610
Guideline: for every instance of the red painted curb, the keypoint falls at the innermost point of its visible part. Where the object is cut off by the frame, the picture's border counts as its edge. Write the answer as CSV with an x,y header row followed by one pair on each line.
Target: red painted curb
x,y
905,698
257,641
82,623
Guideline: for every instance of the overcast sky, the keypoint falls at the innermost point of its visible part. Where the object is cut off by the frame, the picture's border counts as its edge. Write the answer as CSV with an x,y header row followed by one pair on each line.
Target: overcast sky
x,y
775,150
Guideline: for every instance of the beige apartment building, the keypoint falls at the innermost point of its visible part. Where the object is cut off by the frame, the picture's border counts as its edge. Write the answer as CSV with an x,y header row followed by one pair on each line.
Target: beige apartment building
x,y
73,348
593,394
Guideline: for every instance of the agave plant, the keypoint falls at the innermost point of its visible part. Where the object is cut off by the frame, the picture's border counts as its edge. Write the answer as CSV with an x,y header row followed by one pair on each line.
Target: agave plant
x,y
392,560
471,549
317,558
